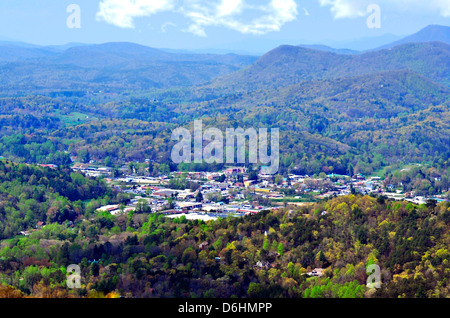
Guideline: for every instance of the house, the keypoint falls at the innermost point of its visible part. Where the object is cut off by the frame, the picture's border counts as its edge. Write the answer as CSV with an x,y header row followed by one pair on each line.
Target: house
x,y
165,193
80,166
105,169
187,194
234,171
263,264
109,208
317,272
203,246
51,166
188,206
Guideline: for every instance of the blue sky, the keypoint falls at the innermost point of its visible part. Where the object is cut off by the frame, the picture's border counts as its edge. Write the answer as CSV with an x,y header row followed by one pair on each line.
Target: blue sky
x,y
251,25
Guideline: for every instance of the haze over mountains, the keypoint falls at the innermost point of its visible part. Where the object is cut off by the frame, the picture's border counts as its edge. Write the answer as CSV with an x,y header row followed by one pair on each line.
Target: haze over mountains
x,y
111,65
429,34
128,66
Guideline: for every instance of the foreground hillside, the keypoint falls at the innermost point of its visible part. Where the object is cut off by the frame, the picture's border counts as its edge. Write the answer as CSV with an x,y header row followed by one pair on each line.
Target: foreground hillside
x,y
266,255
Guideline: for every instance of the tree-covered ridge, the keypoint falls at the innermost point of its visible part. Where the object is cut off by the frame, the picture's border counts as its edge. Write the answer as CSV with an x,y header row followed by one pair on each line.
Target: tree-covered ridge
x,y
83,71
288,65
264,255
33,194
336,131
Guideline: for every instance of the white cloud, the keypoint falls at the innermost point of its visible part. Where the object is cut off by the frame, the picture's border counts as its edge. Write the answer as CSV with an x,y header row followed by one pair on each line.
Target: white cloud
x,y
345,8
122,12
229,7
270,17
357,8
267,16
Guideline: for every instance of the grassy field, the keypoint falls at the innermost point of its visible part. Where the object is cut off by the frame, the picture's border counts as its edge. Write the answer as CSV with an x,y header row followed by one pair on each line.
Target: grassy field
x,y
77,118
382,172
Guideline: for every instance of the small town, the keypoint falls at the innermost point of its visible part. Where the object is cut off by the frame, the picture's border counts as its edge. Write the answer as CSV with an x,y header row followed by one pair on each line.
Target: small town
x,y
236,191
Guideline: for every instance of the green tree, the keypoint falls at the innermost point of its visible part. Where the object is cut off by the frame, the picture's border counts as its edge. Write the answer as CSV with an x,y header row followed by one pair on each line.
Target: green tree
x,y
253,175
84,156
199,196
255,290
280,249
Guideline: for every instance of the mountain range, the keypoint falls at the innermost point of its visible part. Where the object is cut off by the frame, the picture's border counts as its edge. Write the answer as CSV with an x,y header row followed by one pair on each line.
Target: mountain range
x,y
335,109
109,66
429,34
118,67
288,65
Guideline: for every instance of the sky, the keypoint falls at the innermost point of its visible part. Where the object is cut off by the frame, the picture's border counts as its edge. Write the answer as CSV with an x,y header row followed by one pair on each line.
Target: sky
x,y
240,25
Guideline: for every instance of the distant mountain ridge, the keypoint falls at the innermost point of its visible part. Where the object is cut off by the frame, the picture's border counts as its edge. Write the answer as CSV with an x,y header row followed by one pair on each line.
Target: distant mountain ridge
x,y
431,33
327,48
102,55
288,65
13,52
120,66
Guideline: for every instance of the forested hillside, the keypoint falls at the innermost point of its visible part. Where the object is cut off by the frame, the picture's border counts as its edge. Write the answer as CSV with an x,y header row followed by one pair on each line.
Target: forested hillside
x,y
349,125
266,255
288,65
31,194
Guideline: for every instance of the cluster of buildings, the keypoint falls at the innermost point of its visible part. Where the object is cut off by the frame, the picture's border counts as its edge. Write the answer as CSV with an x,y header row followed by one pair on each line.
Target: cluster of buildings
x,y
228,193
234,192
91,170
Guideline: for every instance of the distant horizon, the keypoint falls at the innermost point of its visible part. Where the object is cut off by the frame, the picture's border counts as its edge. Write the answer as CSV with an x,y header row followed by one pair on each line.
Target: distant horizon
x,y
329,43
231,25
338,45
